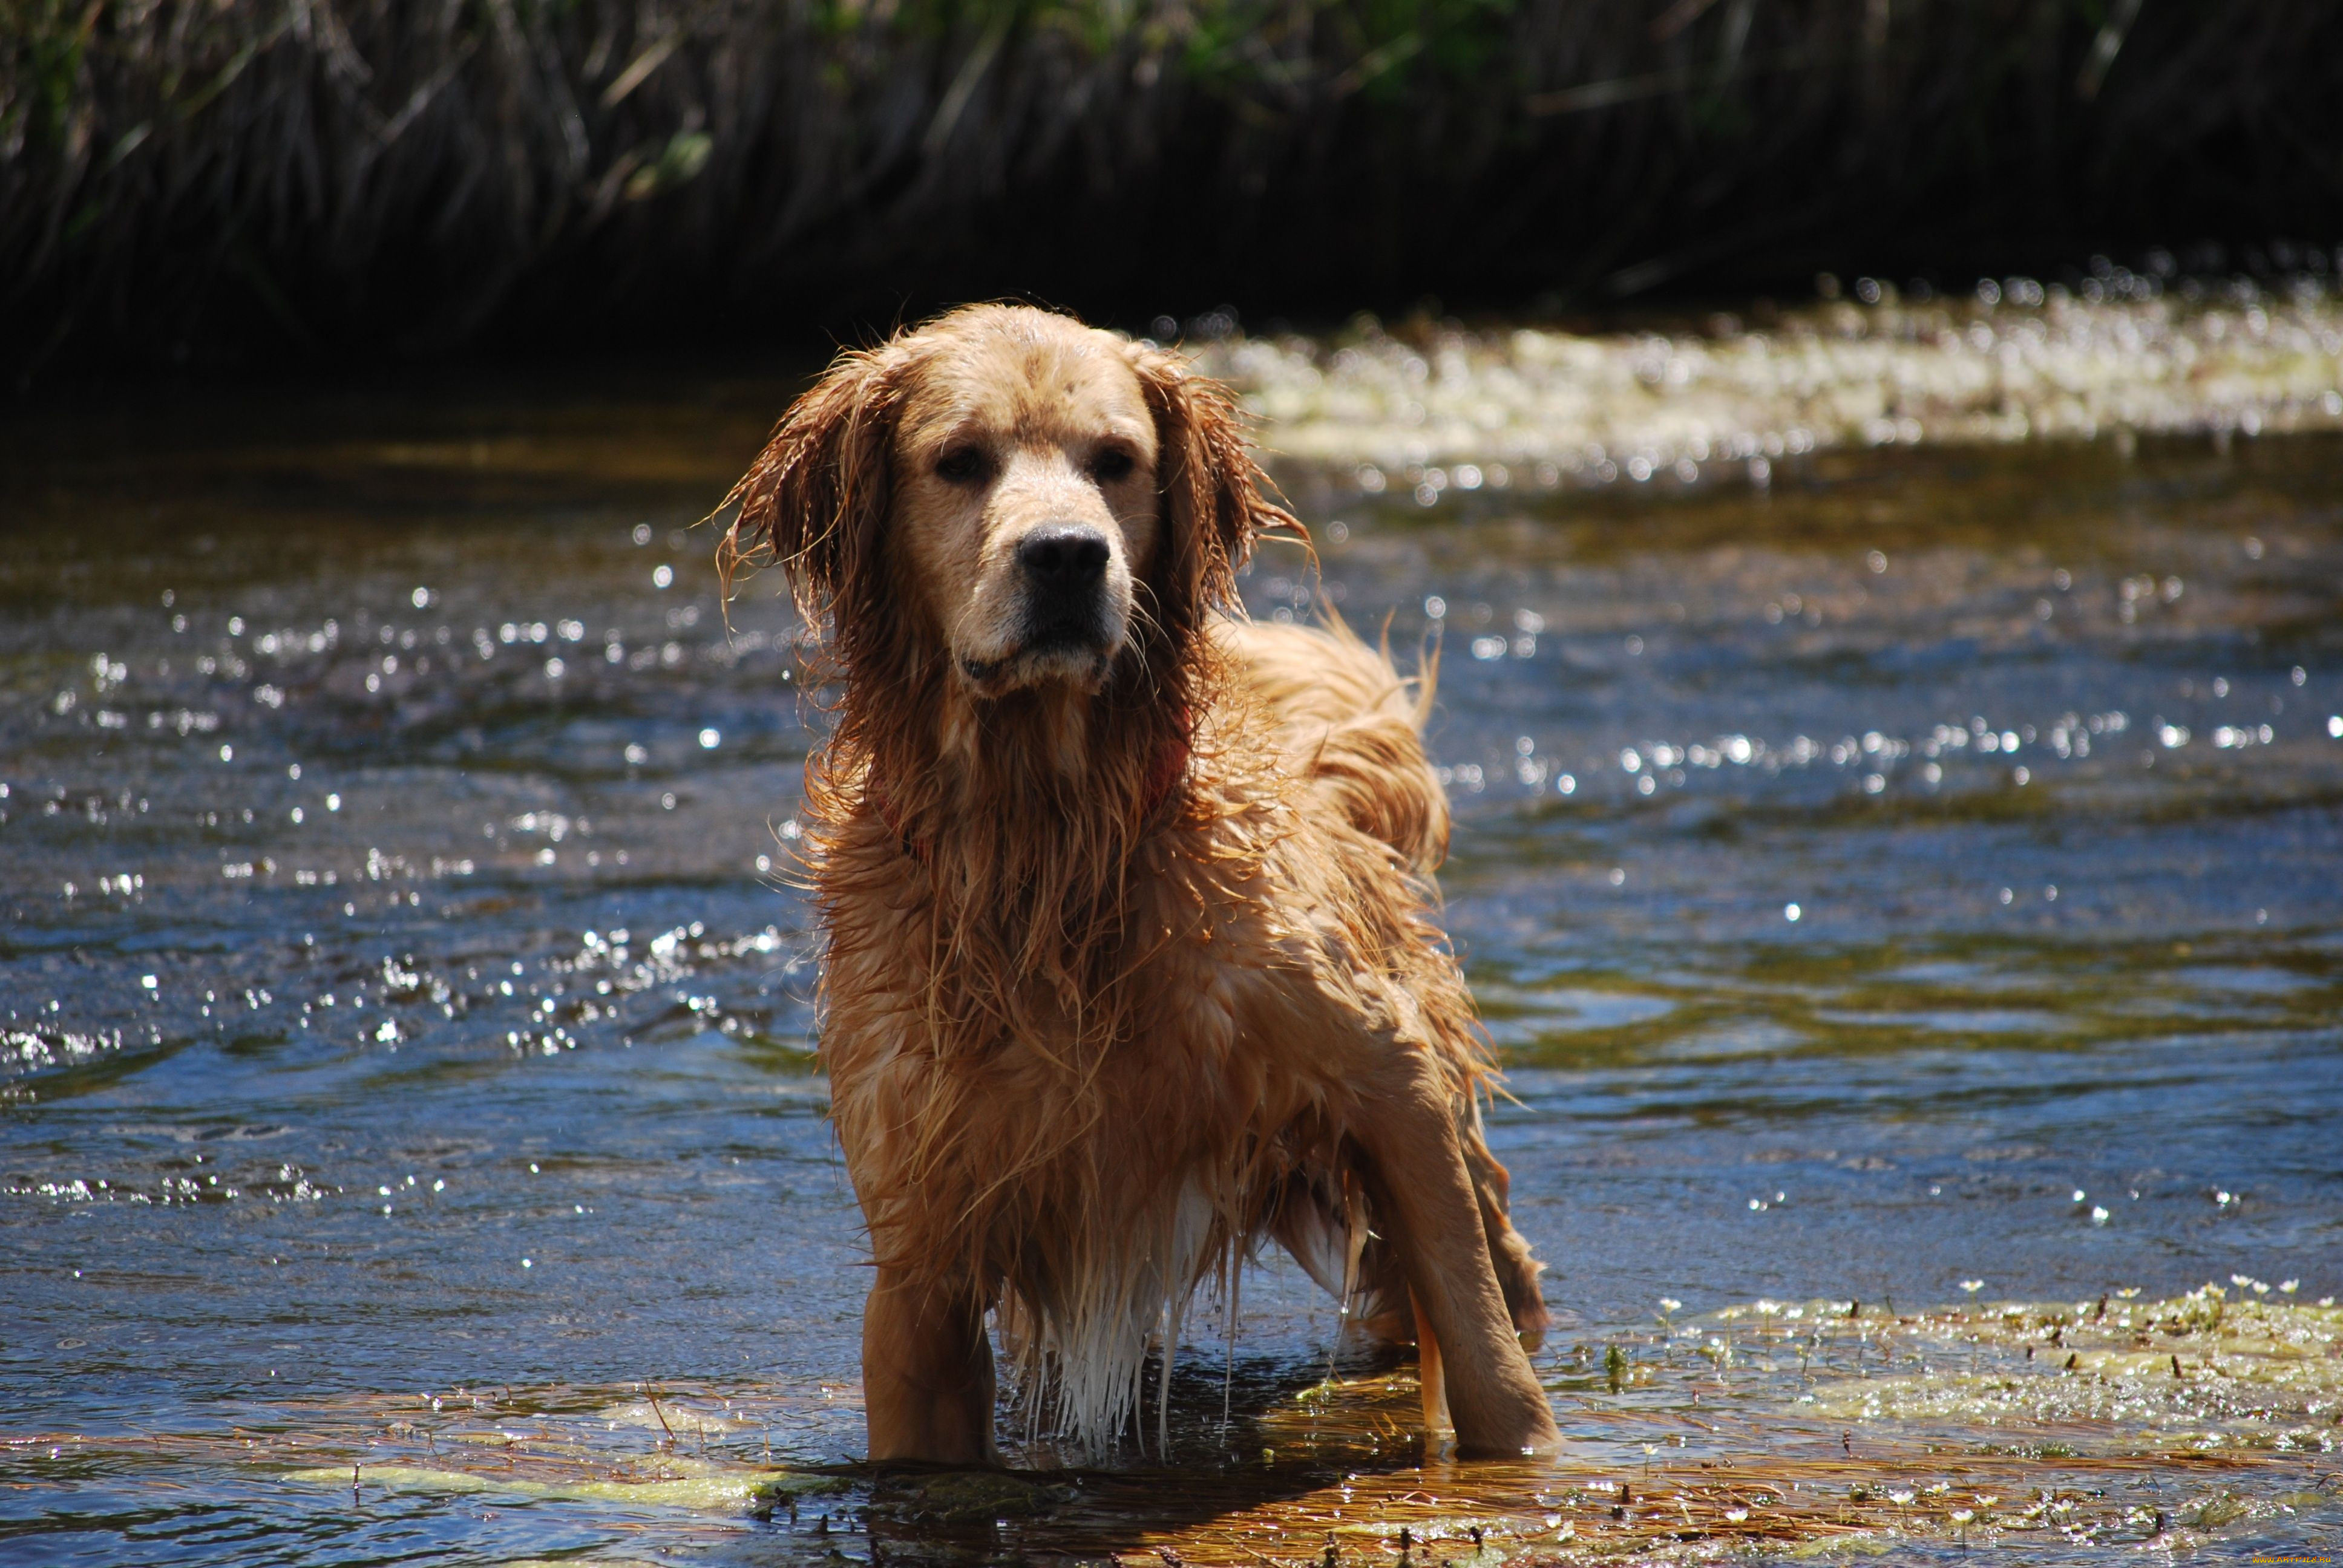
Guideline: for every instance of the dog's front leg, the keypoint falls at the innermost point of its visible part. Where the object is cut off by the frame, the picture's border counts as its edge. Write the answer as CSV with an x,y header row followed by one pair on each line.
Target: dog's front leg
x,y
1408,1130
927,1373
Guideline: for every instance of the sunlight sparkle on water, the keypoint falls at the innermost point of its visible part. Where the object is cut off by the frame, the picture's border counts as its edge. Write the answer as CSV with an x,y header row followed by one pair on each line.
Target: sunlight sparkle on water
x,y
519,929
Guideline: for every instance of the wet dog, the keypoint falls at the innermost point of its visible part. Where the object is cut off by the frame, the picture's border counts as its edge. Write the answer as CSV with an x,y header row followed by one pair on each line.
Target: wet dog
x,y
1132,962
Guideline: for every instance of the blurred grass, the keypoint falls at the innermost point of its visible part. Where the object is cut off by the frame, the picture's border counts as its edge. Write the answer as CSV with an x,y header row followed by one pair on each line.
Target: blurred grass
x,y
208,177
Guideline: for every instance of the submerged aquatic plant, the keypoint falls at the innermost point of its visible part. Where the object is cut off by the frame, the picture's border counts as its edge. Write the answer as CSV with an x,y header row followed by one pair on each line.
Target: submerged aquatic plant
x,y
1950,1437
1958,1438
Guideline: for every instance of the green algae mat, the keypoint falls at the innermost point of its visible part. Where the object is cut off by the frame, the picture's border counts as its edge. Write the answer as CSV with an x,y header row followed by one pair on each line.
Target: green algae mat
x,y
1797,1429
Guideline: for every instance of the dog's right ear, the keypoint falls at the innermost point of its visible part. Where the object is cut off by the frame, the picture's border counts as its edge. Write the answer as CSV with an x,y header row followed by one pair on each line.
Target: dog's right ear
x,y
1214,504
817,495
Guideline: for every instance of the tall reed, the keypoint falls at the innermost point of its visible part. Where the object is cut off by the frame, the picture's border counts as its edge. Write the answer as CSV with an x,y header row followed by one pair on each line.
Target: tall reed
x,y
219,176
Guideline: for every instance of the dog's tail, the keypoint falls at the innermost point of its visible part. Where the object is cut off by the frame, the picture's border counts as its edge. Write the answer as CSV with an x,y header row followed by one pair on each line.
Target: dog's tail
x,y
1353,727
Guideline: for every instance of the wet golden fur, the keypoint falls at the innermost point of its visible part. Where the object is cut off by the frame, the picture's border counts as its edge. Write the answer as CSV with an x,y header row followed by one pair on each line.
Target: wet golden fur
x,y
1092,1041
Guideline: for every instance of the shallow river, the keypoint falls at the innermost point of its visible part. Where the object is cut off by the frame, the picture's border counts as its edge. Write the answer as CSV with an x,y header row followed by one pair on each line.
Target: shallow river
x,y
1906,897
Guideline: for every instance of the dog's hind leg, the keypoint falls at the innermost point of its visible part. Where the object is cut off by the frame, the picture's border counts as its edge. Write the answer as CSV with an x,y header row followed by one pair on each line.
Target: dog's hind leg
x,y
927,1373
1428,1374
1517,1271
1423,1186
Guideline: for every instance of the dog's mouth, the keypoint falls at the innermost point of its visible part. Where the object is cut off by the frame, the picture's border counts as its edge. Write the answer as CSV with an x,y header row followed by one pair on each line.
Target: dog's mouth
x,y
1065,618
1068,643
1079,659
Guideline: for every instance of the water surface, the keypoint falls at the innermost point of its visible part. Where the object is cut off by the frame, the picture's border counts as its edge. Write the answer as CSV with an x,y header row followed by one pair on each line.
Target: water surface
x,y
1904,895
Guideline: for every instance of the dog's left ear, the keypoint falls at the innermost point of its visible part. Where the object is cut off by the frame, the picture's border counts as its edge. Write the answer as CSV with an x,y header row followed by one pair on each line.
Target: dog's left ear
x,y
1214,504
816,497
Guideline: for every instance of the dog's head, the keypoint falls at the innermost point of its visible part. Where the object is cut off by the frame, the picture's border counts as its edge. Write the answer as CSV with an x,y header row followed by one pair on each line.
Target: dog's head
x,y
1036,501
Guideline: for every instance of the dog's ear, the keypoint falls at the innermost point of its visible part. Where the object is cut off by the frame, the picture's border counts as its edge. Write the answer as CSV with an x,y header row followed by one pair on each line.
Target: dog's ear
x,y
817,495
1213,505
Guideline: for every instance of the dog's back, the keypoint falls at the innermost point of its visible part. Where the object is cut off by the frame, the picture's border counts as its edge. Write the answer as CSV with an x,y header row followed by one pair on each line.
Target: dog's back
x,y
1351,726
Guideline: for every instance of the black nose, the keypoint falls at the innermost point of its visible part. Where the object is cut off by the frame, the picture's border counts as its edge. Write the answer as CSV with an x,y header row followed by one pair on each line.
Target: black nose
x,y
1064,557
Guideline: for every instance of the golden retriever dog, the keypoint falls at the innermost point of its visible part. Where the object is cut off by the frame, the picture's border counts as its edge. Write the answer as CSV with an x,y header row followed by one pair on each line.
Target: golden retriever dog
x,y
1131,960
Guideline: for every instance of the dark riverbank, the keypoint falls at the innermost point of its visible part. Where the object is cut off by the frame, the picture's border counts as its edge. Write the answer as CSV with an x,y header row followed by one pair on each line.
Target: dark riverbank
x,y
253,180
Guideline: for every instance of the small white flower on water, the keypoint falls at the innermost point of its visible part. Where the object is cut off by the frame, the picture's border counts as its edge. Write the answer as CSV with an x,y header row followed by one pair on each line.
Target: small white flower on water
x,y
2078,1194
1973,1286
710,738
1670,1303
2098,1215
1791,913
2289,1286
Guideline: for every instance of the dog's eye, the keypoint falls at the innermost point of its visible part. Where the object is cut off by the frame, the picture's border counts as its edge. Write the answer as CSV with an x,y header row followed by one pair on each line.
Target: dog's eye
x,y
961,465
1111,464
